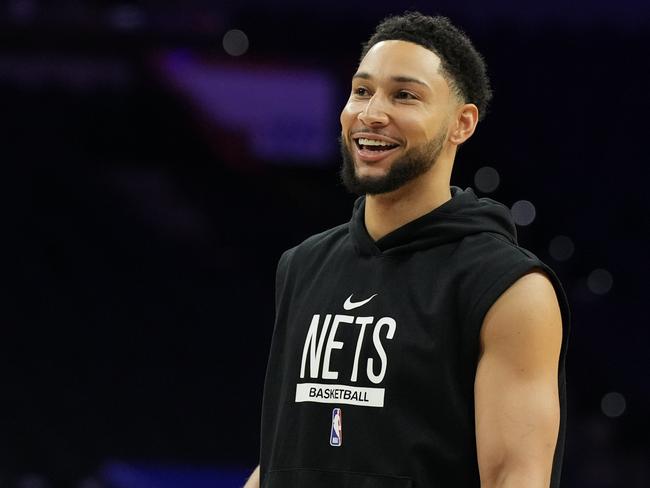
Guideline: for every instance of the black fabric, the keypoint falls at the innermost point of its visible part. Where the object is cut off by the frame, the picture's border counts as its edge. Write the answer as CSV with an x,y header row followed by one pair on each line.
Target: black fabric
x,y
330,479
400,361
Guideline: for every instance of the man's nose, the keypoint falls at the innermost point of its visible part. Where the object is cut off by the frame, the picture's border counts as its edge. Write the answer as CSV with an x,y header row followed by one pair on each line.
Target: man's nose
x,y
374,113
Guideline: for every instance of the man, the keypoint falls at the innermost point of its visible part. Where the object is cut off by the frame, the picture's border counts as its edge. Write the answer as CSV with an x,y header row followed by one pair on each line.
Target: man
x,y
417,345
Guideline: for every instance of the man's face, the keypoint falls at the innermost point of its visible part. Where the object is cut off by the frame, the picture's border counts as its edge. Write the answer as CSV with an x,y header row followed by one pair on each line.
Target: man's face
x,y
394,125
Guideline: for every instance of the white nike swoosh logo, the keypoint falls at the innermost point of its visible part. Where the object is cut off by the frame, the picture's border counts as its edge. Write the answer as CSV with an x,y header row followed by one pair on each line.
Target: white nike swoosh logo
x,y
349,304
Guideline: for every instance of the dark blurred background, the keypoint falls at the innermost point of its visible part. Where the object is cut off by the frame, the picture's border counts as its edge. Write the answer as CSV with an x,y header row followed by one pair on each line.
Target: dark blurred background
x,y
157,158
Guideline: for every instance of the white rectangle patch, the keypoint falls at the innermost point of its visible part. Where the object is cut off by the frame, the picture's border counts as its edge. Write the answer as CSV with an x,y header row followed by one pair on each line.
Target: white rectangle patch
x,y
352,395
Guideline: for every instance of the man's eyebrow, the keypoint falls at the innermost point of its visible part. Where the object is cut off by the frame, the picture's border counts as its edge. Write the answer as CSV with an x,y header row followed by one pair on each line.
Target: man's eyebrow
x,y
399,79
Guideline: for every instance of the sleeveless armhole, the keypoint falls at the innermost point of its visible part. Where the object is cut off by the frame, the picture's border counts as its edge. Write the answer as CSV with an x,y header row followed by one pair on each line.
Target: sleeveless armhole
x,y
477,314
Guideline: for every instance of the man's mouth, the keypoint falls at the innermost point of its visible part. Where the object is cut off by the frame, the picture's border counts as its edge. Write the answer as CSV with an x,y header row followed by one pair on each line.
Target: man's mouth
x,y
374,144
374,149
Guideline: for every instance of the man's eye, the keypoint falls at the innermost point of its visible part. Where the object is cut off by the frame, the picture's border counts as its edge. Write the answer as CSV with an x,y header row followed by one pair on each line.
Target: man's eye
x,y
404,95
360,91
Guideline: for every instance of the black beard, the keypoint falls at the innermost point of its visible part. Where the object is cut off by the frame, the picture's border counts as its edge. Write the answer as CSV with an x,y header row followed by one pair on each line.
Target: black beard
x,y
413,163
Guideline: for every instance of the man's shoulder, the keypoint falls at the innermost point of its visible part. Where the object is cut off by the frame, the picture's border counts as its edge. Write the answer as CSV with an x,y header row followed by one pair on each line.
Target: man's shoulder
x,y
322,242
488,245
323,239
491,263
485,259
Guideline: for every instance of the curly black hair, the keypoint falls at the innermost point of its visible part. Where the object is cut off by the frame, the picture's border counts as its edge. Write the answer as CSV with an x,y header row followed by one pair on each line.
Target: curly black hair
x,y
462,65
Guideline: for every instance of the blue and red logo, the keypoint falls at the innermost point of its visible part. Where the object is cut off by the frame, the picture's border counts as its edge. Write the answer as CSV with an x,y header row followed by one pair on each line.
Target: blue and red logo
x,y
336,434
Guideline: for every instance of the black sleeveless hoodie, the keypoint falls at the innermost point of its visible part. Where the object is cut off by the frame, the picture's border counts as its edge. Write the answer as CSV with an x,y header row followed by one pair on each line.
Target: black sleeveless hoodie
x,y
372,364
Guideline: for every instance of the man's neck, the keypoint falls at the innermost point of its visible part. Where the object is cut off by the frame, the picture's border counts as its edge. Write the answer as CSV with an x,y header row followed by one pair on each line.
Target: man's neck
x,y
389,211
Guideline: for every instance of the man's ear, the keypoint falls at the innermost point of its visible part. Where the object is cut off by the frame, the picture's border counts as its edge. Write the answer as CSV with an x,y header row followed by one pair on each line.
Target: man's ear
x,y
465,124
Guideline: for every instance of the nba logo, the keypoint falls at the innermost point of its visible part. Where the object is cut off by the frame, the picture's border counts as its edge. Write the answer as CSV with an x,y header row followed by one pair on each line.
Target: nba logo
x,y
336,434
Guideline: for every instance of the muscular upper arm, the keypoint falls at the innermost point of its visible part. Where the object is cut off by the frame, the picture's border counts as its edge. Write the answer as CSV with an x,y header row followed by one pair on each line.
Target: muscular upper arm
x,y
516,387
254,479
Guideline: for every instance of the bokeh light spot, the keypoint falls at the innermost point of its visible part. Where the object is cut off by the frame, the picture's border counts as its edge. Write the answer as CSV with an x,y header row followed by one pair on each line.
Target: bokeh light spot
x,y
487,179
523,212
600,281
235,42
561,248
613,404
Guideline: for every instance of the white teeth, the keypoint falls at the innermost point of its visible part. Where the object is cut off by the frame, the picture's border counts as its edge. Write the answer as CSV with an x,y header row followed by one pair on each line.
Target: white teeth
x,y
373,142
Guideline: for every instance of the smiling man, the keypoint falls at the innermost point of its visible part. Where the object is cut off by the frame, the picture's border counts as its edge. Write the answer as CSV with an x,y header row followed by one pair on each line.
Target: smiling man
x,y
417,345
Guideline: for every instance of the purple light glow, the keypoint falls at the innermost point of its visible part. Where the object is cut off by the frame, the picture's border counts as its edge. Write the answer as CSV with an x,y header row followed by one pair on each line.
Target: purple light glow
x,y
285,114
122,475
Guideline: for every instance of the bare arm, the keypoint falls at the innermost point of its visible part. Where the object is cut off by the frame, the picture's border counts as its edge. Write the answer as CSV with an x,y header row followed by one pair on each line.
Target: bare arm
x,y
254,480
516,387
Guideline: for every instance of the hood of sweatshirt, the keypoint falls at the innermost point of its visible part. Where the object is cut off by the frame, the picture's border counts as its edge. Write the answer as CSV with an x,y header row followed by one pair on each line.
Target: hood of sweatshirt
x,y
464,214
